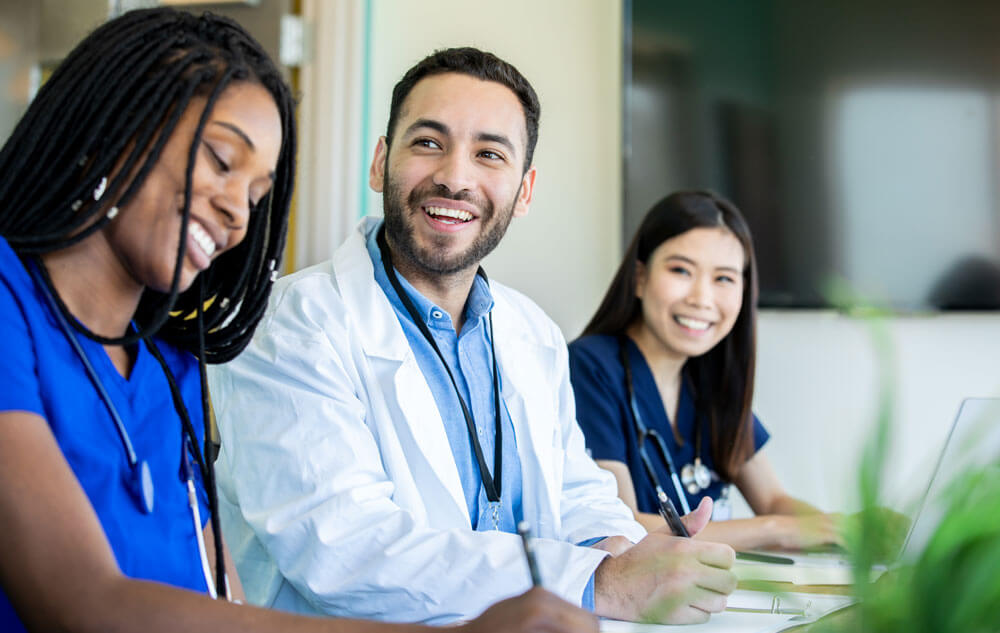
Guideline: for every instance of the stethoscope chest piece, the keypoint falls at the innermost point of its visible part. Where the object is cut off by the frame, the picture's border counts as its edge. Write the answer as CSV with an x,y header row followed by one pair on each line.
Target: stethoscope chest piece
x,y
696,477
141,486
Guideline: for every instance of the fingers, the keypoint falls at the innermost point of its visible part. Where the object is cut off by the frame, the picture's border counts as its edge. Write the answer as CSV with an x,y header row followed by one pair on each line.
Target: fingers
x,y
558,616
708,601
544,612
695,605
716,554
699,517
690,615
718,581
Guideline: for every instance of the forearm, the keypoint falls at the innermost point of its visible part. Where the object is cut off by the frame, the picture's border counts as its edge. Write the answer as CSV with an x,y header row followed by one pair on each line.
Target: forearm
x,y
754,533
785,504
124,604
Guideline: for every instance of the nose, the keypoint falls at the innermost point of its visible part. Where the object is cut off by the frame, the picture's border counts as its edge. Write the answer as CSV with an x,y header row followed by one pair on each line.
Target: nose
x,y
454,172
233,205
700,292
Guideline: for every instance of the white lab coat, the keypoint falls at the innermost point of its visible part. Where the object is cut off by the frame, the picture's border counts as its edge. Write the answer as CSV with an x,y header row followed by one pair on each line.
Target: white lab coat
x,y
339,492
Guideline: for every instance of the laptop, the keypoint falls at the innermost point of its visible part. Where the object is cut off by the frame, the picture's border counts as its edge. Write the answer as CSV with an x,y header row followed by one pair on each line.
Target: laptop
x,y
973,441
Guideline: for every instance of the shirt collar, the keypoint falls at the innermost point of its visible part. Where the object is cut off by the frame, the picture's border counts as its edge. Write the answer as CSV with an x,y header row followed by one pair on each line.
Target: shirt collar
x,y
477,305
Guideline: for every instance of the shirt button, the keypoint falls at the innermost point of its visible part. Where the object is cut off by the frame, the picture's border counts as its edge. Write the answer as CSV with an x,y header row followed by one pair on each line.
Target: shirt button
x,y
437,314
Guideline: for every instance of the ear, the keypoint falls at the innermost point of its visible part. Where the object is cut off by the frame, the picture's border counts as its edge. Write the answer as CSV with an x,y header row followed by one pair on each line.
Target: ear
x,y
376,173
640,279
524,195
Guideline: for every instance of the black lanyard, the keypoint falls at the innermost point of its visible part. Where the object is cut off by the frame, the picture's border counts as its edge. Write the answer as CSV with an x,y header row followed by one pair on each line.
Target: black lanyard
x,y
490,483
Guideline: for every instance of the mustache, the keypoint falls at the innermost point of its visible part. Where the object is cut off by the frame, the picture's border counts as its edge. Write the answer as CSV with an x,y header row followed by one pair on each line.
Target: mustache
x,y
442,191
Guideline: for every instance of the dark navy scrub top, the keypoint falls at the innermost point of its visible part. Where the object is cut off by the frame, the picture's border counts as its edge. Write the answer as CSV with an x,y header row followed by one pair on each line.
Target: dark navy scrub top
x,y
42,374
604,414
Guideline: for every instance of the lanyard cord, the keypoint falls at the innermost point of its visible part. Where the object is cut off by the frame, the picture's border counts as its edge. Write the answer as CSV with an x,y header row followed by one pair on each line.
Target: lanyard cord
x,y
490,483
642,431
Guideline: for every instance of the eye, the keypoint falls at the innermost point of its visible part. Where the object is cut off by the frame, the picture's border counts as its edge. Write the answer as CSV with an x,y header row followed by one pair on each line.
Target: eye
x,y
726,279
679,270
220,164
429,143
489,154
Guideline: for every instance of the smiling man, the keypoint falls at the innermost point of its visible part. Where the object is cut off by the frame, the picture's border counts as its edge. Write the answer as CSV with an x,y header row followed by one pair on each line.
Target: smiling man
x,y
398,414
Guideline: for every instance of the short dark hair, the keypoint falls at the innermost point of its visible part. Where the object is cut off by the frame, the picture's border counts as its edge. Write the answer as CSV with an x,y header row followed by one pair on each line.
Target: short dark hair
x,y
475,63
723,378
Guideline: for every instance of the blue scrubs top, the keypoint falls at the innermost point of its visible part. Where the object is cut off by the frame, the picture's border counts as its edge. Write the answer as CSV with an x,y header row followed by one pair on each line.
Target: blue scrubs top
x,y
42,374
604,414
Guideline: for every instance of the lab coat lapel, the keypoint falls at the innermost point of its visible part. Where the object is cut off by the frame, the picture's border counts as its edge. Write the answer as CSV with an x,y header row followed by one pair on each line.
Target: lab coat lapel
x,y
524,366
405,391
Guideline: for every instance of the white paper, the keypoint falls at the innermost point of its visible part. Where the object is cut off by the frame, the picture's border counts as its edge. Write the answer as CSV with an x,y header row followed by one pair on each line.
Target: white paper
x,y
726,621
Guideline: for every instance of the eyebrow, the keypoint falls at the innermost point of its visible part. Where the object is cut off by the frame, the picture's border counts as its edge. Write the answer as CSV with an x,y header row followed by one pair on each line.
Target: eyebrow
x,y
498,138
240,133
243,135
430,123
693,263
444,129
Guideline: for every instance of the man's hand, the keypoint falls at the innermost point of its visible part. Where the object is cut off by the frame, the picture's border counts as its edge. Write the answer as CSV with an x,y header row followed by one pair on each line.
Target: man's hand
x,y
536,611
667,579
697,519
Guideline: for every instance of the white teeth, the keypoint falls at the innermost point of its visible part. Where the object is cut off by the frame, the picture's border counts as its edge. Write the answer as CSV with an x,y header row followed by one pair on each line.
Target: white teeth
x,y
201,237
457,214
692,324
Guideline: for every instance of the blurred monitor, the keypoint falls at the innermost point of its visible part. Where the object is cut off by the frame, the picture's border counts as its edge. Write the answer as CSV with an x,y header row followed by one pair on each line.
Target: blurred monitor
x,y
859,138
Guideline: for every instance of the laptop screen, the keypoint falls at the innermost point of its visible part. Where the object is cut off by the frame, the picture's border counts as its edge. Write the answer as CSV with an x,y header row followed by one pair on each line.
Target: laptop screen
x,y
974,441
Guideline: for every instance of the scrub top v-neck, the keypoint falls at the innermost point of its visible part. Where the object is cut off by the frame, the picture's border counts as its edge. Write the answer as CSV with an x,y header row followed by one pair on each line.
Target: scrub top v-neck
x,y
602,410
43,375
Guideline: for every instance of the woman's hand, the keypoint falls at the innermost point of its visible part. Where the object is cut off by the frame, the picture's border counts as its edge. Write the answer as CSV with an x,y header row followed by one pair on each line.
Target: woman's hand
x,y
809,530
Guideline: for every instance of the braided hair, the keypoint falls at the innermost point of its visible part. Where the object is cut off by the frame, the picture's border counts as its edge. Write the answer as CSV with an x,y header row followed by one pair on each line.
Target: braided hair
x,y
99,124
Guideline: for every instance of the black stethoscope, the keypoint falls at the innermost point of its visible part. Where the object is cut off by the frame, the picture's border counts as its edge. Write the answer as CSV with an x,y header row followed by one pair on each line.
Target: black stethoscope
x,y
695,476
140,484
490,482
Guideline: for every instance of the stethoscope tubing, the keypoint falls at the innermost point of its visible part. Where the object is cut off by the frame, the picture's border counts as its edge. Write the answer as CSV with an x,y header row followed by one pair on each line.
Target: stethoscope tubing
x,y
642,432
146,493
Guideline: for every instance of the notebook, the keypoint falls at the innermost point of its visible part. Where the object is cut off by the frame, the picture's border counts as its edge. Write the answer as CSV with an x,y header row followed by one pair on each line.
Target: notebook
x,y
749,612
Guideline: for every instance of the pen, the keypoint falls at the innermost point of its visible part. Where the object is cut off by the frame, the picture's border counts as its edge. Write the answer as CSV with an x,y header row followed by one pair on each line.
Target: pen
x,y
669,513
529,553
759,557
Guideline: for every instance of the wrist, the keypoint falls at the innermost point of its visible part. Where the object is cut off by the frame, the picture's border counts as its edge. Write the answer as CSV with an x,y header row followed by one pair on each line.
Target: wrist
x,y
781,531
607,602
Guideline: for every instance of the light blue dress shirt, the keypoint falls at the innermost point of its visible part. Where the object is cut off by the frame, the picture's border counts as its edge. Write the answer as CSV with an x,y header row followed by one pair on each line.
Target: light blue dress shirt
x,y
469,357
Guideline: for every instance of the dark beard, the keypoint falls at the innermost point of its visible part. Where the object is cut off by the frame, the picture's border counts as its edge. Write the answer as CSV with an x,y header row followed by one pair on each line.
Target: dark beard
x,y
433,260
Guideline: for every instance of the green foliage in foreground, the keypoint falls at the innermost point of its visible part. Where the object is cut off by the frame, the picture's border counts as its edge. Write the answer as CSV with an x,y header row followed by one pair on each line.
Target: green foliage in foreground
x,y
954,585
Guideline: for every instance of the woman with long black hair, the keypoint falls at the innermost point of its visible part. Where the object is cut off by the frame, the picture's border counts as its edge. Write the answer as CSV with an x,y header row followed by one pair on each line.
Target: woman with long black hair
x,y
664,373
144,201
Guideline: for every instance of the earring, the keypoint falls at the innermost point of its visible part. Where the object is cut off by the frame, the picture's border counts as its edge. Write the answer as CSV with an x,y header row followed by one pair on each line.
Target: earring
x,y
112,212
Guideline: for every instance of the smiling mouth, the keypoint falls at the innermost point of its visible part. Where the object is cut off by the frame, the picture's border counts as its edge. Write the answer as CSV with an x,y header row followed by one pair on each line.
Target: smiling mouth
x,y
449,216
692,324
201,238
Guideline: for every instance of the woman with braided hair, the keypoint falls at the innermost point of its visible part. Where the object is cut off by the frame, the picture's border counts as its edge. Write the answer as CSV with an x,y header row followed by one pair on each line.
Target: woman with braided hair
x,y
143,208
